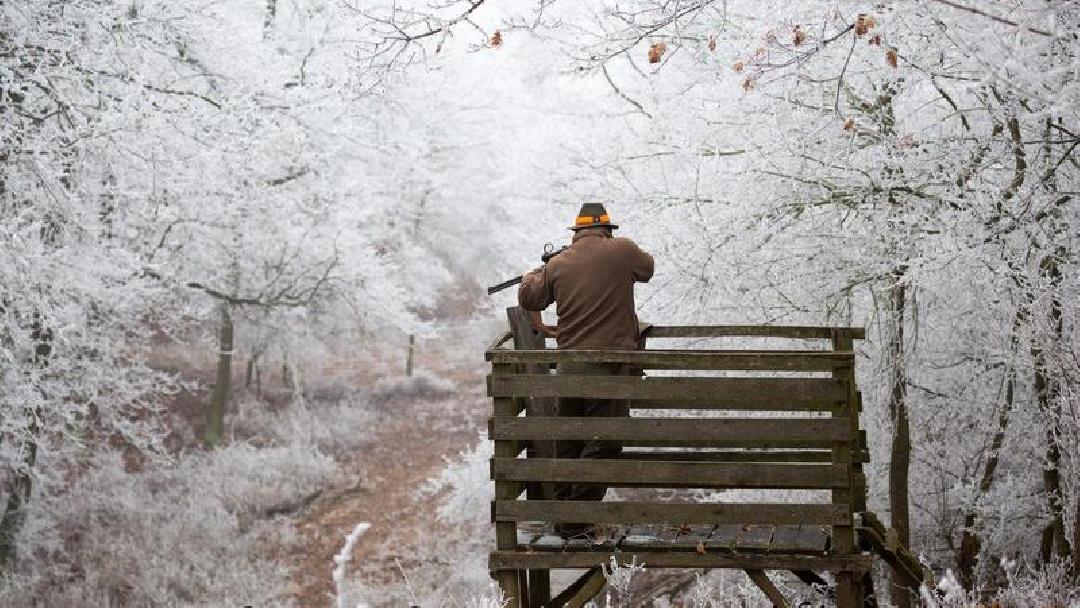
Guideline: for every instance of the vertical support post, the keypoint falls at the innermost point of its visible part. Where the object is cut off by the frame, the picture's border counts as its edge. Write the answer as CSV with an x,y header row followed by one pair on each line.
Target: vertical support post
x,y
527,338
848,584
506,531
409,357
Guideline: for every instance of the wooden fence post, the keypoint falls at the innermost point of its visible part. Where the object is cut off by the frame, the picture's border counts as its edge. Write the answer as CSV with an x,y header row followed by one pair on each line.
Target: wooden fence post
x,y
848,584
527,338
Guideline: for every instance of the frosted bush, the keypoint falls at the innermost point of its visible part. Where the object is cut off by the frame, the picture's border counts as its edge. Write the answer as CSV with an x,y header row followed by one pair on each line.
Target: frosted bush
x,y
467,484
620,578
1051,585
330,427
193,532
422,385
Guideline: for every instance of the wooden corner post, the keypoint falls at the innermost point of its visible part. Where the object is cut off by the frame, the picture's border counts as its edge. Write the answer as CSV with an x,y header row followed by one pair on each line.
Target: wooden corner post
x,y
506,531
525,337
848,584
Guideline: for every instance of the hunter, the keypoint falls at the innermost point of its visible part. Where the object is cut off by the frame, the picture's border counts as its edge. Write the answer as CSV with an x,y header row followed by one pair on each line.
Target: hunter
x,y
592,285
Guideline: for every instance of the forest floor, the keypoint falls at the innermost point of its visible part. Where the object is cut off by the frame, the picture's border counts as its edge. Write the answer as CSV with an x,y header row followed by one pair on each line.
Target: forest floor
x,y
412,438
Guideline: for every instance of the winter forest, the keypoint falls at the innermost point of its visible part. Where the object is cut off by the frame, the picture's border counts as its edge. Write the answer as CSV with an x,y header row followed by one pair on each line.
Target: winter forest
x,y
244,245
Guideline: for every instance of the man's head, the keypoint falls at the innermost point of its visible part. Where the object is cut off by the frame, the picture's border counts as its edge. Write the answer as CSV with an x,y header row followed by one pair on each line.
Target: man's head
x,y
593,215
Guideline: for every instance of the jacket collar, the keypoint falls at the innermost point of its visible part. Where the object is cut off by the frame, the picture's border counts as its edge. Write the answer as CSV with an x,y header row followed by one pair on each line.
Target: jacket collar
x,y
588,232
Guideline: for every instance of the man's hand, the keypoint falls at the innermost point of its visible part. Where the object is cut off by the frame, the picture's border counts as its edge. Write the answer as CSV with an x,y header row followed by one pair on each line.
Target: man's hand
x,y
538,324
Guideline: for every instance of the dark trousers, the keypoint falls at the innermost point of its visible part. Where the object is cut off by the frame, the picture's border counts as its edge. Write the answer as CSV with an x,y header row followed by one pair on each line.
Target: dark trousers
x,y
589,408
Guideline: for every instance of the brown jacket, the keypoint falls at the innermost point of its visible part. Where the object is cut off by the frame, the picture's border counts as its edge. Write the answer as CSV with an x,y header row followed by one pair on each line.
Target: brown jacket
x,y
592,283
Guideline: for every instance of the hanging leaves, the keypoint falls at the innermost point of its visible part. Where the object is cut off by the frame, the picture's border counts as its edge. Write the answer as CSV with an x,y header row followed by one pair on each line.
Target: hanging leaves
x,y
799,36
849,124
864,23
748,83
496,39
738,66
712,43
657,51
890,57
875,41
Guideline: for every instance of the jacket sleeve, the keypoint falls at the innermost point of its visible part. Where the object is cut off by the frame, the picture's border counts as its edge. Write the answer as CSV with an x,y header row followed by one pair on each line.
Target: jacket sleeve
x,y
535,292
641,263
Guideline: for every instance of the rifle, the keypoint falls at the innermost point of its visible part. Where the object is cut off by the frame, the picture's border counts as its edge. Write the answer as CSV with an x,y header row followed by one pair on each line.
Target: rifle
x,y
549,252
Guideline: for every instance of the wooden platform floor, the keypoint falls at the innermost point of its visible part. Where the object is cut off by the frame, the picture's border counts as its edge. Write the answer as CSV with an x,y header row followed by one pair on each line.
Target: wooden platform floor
x,y
791,540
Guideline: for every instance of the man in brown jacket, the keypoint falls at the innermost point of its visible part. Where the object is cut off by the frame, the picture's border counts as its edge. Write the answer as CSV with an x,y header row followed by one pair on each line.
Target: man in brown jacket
x,y
592,285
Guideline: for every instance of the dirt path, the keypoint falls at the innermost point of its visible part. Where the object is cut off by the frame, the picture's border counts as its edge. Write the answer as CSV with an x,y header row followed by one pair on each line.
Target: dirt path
x,y
412,440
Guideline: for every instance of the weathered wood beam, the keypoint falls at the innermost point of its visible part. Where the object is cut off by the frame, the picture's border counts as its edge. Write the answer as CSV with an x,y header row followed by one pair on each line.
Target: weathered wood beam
x,y
759,392
762,331
676,559
633,512
579,592
767,587
733,360
807,432
624,473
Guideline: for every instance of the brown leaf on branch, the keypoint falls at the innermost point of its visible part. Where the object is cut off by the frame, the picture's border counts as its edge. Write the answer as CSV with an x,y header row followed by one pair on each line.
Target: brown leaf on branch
x,y
748,83
890,57
700,548
712,43
760,52
657,51
864,23
875,41
799,36
496,39
738,66
849,124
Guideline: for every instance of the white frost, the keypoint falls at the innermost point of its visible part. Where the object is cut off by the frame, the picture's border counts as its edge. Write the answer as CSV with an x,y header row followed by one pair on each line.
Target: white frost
x,y
342,559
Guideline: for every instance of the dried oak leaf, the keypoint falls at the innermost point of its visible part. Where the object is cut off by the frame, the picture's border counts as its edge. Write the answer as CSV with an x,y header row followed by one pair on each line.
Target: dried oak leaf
x,y
700,548
799,36
656,51
738,66
875,41
712,43
496,38
748,83
864,23
849,124
890,57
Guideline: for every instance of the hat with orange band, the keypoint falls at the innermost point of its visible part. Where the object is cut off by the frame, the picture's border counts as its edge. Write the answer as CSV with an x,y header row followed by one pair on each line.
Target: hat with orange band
x,y
592,215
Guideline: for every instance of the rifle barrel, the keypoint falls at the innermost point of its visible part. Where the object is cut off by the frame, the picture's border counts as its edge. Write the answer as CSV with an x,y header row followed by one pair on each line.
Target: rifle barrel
x,y
504,285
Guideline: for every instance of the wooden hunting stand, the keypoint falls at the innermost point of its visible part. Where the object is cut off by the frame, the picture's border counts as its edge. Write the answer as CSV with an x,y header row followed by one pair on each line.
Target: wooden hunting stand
x,y
742,426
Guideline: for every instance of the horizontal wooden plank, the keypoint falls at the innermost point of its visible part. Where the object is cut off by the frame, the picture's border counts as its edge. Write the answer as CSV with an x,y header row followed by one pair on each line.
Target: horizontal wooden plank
x,y
671,513
627,473
739,403
737,360
734,455
520,560
737,455
807,432
760,393
762,331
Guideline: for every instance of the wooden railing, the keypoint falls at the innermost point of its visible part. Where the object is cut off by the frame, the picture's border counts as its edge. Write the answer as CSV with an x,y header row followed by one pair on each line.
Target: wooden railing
x,y
714,419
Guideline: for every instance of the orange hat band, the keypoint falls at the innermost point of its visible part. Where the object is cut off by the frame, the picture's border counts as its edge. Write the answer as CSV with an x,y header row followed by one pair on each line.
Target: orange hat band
x,y
590,219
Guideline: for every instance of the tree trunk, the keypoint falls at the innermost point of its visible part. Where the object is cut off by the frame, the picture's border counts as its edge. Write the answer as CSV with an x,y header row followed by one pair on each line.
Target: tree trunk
x,y
900,453
268,19
22,482
1053,538
969,541
215,424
